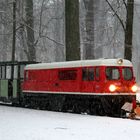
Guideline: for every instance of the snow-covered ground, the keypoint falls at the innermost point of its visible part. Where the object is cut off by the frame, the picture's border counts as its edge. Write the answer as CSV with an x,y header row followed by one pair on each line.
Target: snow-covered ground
x,y
27,124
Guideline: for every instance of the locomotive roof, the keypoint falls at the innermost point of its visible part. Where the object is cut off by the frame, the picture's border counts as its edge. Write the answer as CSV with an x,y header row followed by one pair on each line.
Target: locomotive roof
x,y
80,63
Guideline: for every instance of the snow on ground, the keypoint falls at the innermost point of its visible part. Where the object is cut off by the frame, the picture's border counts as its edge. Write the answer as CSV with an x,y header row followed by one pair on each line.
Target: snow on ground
x,y
27,124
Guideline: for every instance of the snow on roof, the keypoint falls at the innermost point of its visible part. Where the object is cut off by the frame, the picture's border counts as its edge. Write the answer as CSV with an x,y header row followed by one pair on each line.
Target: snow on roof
x,y
79,63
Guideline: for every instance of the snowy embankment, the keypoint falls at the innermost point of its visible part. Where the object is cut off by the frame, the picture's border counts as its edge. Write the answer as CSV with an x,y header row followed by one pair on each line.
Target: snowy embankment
x,y
27,124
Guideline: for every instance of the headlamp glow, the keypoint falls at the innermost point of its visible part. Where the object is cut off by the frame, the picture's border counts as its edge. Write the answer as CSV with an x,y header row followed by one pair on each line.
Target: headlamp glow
x,y
112,88
134,88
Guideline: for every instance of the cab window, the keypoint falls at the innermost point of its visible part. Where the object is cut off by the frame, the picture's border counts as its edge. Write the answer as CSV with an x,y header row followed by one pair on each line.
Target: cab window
x,y
112,73
127,73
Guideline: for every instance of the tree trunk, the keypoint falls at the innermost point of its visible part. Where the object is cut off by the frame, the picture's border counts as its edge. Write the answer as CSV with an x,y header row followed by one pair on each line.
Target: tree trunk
x,y
129,30
14,31
59,49
30,30
89,23
72,30
14,38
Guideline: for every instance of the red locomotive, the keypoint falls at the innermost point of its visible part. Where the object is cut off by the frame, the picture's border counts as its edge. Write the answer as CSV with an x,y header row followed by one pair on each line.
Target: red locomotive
x,y
99,86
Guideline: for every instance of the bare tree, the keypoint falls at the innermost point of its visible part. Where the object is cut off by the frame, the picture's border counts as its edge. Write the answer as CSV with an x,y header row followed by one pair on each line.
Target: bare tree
x,y
6,30
127,26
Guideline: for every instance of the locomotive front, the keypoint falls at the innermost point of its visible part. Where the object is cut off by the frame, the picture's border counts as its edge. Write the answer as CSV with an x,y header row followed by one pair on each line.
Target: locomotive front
x,y
120,79
120,84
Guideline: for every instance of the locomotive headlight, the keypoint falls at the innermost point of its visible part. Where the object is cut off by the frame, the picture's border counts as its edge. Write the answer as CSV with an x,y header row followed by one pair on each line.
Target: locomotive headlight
x,y
134,88
120,61
112,88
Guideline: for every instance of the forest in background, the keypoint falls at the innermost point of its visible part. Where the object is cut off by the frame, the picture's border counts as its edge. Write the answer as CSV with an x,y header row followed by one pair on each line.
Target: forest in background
x,y
40,27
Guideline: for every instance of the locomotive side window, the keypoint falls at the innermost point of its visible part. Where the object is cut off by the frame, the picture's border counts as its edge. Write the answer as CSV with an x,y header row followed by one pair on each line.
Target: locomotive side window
x,y
127,73
112,73
97,73
84,74
67,75
88,74
91,74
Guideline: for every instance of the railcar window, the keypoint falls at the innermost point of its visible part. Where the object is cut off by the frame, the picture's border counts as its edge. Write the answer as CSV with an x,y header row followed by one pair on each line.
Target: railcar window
x,y
3,70
112,73
22,71
67,75
127,73
0,72
88,74
8,72
15,72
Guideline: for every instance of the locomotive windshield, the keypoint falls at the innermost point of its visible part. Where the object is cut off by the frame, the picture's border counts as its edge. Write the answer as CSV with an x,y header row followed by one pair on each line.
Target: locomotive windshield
x,y
112,73
127,73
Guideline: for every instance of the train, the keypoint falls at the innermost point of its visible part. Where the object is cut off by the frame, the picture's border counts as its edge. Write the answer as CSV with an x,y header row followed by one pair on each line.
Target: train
x,y
99,87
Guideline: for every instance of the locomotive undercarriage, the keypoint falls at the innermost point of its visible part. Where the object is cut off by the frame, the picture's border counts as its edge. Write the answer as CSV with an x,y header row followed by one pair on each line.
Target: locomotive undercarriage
x,y
95,105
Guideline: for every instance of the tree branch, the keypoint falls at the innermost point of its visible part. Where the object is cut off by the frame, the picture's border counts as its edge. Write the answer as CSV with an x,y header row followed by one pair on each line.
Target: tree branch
x,y
40,35
115,13
125,4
